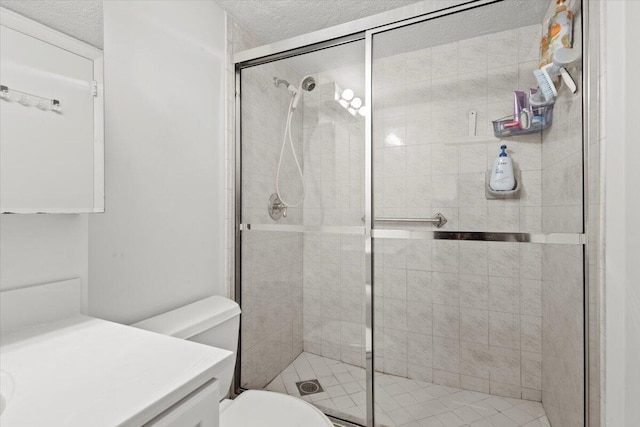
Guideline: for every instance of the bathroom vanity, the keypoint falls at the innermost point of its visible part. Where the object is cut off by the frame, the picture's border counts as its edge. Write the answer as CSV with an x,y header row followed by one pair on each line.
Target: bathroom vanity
x,y
82,371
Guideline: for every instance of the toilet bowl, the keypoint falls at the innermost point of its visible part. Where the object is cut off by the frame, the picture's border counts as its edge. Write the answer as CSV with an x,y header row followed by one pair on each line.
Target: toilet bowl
x,y
269,409
215,321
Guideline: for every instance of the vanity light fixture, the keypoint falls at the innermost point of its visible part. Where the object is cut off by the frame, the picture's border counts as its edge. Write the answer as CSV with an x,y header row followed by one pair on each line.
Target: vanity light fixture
x,y
350,102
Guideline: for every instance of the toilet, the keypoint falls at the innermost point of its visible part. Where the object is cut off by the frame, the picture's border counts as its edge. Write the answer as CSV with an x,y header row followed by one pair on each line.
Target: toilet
x,y
215,321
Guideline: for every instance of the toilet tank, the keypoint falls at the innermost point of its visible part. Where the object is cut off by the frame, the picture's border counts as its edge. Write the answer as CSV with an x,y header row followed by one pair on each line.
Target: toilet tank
x,y
213,321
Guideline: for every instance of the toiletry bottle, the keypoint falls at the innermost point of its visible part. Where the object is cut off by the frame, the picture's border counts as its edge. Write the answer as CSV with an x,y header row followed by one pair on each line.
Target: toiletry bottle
x,y
521,113
502,178
560,28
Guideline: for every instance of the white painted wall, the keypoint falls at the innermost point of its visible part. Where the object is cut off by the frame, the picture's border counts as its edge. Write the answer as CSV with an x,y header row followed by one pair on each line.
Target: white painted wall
x,y
160,243
622,221
38,249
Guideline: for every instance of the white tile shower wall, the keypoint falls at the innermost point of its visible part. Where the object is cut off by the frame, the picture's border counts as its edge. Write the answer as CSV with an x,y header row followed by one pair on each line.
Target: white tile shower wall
x,y
333,157
333,297
264,116
333,265
562,159
271,305
562,212
463,314
421,105
271,262
562,331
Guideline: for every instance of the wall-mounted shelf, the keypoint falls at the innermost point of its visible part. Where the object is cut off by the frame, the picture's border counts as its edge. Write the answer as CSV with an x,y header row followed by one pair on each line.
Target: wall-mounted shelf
x,y
540,118
510,194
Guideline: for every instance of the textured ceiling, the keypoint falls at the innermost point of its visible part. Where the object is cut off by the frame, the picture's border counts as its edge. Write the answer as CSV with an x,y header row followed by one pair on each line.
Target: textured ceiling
x,y
273,20
343,62
81,19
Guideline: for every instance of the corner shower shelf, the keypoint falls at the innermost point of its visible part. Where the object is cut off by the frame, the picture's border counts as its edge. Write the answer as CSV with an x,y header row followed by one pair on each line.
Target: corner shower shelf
x,y
507,126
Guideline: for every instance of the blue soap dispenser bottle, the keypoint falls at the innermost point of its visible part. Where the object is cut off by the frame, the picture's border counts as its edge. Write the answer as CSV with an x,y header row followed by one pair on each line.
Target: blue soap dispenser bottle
x,y
502,178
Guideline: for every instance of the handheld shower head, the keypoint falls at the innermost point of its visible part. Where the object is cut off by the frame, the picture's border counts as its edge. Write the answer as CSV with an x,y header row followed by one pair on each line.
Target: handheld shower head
x,y
307,83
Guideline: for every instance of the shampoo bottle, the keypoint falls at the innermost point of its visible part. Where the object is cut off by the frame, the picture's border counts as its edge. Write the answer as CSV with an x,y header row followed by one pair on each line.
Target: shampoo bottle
x,y
502,178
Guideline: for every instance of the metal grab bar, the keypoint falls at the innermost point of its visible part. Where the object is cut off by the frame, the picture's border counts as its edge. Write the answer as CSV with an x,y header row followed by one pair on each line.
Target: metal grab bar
x,y
438,220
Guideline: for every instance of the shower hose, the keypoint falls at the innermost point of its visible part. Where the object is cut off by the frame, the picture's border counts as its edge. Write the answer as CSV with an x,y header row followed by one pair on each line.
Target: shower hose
x,y
287,135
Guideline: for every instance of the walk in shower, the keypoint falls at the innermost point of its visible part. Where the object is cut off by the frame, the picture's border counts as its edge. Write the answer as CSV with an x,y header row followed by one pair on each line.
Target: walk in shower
x,y
401,290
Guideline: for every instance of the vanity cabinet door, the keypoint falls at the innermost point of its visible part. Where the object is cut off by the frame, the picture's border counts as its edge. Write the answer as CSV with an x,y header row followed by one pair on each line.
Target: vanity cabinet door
x,y
201,409
51,155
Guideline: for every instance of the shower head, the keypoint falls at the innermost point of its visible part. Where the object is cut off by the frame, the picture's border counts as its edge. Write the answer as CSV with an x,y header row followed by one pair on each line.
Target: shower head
x,y
307,83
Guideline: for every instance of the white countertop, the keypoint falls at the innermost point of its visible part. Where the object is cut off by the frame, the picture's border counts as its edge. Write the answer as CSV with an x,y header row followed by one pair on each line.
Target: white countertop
x,y
88,372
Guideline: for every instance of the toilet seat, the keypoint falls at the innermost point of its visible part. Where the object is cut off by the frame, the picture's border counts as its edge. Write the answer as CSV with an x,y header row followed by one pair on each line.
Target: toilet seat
x,y
256,408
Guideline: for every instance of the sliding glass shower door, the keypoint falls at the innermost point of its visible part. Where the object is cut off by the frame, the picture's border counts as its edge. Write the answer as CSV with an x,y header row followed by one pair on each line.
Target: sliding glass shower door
x,y
302,244
381,278
467,288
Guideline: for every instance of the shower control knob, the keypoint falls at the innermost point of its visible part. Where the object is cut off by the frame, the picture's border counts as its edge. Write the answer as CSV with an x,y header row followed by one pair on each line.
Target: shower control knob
x,y
276,207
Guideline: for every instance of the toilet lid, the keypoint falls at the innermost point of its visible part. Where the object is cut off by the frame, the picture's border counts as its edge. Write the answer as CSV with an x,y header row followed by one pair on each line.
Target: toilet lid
x,y
255,408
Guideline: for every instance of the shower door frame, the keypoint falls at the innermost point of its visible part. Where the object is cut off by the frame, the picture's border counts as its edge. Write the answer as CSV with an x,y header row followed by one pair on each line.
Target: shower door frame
x,y
365,29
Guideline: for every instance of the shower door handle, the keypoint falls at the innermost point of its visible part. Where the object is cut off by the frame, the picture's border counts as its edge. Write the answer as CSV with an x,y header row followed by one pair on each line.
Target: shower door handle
x,y
438,220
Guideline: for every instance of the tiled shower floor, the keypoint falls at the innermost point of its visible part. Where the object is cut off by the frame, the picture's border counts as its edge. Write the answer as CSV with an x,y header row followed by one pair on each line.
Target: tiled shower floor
x,y
401,401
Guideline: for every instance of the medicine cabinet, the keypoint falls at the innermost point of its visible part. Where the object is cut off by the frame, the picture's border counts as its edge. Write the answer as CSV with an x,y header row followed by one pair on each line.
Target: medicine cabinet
x,y
51,120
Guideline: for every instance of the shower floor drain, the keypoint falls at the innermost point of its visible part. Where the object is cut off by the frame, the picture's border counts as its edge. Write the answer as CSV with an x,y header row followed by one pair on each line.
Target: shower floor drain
x,y
309,387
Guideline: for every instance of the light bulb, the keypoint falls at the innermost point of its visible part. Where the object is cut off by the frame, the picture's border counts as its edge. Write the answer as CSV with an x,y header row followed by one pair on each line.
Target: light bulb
x,y
356,103
344,103
347,94
43,105
362,111
24,100
352,111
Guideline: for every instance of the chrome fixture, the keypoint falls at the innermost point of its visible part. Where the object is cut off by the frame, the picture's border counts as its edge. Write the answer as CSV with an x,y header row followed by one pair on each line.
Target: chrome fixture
x,y
438,220
307,83
277,208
